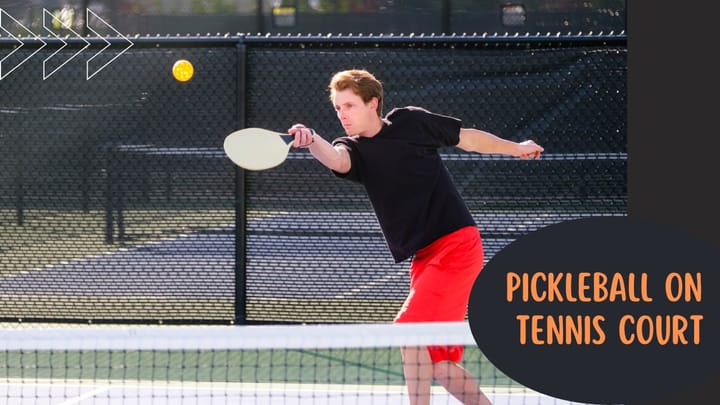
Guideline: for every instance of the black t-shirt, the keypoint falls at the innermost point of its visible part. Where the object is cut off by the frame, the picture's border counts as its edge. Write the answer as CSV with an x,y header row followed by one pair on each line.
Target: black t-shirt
x,y
408,185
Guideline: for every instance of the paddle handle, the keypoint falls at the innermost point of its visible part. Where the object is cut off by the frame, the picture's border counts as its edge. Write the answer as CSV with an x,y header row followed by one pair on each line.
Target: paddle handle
x,y
287,138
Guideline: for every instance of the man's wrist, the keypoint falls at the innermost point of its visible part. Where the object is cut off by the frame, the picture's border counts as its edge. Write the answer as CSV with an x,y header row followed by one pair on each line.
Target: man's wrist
x,y
312,137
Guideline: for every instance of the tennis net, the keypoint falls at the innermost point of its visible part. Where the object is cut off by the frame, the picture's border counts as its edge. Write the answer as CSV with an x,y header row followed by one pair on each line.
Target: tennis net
x,y
268,364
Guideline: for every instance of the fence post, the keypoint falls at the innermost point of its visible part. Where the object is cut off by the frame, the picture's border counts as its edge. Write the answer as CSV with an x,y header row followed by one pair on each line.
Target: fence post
x,y
240,198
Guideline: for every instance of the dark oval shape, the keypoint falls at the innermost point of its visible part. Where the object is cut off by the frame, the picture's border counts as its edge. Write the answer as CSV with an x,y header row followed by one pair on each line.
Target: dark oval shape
x,y
607,350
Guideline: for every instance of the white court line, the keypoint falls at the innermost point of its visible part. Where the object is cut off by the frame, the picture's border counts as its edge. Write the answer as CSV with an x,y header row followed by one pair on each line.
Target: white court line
x,y
370,284
100,386
92,393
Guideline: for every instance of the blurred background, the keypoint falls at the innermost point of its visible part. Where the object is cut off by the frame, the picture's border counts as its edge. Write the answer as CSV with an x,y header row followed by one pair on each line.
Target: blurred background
x,y
117,203
202,17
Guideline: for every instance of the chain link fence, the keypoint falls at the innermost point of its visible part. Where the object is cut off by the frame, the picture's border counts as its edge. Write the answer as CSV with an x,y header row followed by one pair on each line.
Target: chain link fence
x,y
118,205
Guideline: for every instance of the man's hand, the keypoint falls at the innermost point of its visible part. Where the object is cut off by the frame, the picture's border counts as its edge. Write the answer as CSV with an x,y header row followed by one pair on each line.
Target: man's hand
x,y
304,136
528,150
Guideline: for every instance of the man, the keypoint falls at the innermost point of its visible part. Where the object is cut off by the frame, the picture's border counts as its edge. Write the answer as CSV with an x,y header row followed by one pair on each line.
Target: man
x,y
420,212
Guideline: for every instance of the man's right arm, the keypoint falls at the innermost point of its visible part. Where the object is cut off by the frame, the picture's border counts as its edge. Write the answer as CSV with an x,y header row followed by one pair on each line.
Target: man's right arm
x,y
336,158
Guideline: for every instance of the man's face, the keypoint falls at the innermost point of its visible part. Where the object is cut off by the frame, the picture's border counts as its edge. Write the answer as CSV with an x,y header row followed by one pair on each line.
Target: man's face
x,y
355,116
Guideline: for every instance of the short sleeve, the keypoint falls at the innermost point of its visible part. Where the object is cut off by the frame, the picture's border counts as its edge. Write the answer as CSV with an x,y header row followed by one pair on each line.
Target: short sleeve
x,y
434,129
350,145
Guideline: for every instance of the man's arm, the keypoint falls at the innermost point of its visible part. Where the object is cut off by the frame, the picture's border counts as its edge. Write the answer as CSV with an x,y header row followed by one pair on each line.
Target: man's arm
x,y
475,140
335,158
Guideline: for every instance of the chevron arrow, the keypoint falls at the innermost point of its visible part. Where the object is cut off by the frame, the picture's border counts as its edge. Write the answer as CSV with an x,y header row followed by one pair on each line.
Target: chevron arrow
x,y
107,43
46,13
3,19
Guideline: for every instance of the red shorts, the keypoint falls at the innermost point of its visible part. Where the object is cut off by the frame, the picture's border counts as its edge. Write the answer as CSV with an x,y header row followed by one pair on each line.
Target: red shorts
x,y
441,277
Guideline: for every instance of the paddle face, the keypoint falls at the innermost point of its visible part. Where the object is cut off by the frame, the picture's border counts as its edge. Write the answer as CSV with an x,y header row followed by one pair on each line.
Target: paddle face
x,y
257,148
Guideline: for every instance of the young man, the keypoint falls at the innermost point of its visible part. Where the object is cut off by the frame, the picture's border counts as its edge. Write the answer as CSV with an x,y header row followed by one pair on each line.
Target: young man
x,y
420,212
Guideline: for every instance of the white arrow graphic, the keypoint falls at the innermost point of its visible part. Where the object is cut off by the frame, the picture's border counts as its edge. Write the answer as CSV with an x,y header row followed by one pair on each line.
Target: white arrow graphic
x,y
107,43
45,25
4,14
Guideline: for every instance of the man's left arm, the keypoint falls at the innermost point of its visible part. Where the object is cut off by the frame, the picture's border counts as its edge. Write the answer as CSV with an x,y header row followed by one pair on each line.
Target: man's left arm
x,y
475,140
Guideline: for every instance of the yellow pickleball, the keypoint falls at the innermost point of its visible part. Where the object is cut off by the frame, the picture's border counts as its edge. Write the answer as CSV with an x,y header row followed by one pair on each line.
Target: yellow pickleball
x,y
183,70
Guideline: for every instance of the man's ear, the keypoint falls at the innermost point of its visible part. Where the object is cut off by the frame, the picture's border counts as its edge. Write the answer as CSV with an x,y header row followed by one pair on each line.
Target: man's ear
x,y
374,103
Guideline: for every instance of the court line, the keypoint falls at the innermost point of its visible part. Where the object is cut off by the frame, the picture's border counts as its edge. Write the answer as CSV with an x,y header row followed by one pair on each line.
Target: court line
x,y
92,393
277,386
